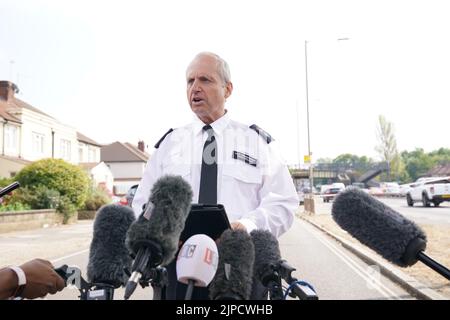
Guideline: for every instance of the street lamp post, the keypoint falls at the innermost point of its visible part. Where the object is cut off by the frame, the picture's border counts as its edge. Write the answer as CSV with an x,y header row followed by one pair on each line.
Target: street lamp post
x,y
311,178
311,171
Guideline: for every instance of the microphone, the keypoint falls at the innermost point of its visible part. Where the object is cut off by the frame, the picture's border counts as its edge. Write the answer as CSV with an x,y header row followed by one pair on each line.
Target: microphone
x,y
9,188
197,262
267,258
108,255
233,279
383,229
153,239
270,268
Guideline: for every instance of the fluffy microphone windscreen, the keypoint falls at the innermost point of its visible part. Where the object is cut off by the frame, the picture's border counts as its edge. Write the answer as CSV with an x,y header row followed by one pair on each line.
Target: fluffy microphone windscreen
x,y
267,255
378,226
233,279
169,206
108,255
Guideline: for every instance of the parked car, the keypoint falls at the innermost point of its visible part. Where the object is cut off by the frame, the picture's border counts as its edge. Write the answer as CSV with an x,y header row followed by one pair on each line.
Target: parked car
x,y
127,200
391,189
376,191
429,191
360,186
404,189
331,192
324,188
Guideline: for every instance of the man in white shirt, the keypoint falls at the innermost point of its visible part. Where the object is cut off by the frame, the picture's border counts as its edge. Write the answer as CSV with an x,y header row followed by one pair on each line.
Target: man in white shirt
x,y
224,161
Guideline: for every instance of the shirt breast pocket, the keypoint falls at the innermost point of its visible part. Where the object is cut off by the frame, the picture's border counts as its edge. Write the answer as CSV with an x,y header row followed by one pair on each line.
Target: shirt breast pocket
x,y
241,180
175,165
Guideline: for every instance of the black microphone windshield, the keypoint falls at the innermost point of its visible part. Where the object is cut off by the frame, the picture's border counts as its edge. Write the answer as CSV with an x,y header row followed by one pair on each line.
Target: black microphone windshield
x,y
163,219
267,255
108,255
379,227
234,276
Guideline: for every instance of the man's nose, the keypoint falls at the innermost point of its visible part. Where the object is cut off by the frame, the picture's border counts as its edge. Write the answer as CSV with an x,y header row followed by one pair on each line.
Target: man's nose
x,y
196,86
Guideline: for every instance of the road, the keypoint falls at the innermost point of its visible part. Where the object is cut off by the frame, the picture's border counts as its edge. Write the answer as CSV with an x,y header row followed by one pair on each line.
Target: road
x,y
334,272
418,213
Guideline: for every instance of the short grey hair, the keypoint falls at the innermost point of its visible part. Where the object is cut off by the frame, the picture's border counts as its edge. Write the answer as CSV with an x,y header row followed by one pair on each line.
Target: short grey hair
x,y
222,65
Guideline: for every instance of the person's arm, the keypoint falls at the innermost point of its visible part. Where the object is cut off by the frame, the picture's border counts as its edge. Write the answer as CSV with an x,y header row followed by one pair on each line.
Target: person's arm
x,y
40,280
149,177
279,199
8,283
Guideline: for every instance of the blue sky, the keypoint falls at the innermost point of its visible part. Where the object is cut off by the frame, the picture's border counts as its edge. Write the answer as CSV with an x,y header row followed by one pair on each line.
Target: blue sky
x,y
115,69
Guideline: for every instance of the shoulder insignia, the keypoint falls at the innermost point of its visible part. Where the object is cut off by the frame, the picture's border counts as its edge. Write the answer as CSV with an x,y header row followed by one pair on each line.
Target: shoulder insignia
x,y
263,134
162,138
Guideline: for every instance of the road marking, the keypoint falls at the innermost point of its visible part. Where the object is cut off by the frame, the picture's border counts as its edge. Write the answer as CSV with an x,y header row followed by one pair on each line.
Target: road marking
x,y
28,236
69,256
368,275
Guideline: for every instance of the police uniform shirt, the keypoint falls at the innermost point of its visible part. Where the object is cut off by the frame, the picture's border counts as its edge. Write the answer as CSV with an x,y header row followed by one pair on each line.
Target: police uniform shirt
x,y
253,183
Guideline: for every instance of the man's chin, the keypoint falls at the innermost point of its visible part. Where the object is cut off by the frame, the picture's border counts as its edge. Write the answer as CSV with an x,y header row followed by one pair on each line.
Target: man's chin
x,y
199,109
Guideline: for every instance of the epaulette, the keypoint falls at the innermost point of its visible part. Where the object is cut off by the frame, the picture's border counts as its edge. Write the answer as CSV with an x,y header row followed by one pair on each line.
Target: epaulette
x,y
263,134
162,138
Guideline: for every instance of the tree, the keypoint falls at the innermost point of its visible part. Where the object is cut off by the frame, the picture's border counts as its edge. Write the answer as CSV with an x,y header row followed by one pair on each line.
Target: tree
x,y
351,161
440,156
398,168
387,148
418,163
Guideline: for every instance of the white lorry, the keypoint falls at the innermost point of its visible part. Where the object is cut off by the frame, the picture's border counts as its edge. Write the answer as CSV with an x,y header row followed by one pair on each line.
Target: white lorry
x,y
429,190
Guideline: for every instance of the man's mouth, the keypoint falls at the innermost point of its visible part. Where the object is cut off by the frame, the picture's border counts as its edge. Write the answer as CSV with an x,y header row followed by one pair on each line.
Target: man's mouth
x,y
197,100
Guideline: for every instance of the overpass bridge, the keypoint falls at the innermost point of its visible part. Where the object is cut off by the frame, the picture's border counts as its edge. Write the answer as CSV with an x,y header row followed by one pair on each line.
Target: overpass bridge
x,y
325,173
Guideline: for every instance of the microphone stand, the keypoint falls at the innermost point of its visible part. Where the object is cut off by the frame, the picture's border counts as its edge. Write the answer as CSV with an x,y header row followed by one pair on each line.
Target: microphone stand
x,y
436,266
9,188
158,278
189,290
148,256
297,288
88,291
97,291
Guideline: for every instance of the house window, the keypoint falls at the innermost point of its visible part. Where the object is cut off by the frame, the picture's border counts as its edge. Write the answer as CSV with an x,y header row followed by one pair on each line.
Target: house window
x,y
65,149
38,144
11,139
91,155
80,153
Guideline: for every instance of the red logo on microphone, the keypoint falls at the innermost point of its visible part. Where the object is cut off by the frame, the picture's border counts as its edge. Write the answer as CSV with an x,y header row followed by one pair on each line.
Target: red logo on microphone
x,y
209,256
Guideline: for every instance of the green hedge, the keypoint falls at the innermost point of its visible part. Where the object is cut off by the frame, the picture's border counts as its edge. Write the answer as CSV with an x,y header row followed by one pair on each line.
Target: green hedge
x,y
49,175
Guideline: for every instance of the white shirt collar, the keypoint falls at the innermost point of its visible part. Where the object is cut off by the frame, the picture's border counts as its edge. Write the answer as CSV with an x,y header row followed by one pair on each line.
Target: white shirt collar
x,y
218,126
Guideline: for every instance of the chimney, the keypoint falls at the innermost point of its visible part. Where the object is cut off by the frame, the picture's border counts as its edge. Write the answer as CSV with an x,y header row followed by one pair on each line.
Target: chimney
x,y
7,90
141,146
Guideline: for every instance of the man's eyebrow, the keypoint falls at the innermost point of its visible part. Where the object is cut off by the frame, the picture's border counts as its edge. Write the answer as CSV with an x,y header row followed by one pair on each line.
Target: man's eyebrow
x,y
201,77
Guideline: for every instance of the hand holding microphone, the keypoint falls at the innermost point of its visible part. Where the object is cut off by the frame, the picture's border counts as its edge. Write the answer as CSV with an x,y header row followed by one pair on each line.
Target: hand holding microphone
x,y
33,279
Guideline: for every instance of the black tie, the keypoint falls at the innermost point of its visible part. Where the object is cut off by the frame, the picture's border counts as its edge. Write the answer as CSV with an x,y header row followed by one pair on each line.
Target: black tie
x,y
208,176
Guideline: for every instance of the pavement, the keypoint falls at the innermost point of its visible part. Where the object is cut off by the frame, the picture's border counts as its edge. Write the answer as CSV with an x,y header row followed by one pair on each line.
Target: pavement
x,y
413,286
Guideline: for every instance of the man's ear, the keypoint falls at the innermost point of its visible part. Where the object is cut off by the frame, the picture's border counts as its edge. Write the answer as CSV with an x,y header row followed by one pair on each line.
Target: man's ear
x,y
228,89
